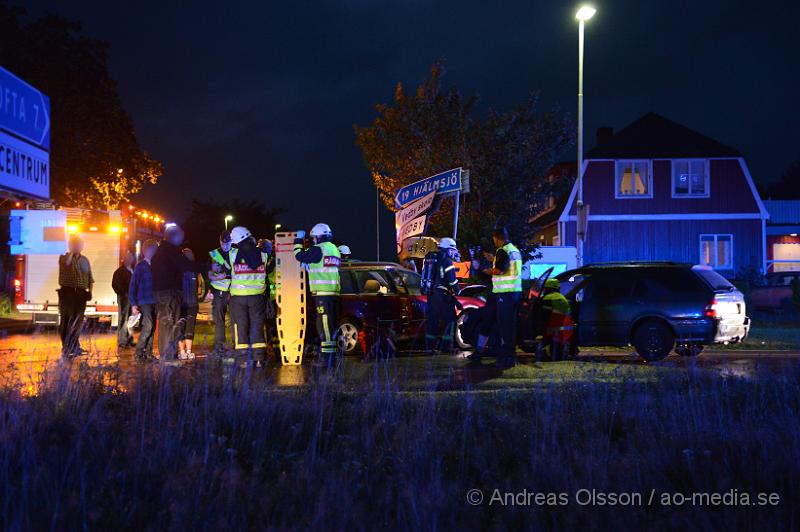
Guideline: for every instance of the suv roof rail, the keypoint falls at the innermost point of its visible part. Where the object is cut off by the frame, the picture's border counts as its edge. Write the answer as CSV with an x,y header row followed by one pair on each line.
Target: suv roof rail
x,y
637,263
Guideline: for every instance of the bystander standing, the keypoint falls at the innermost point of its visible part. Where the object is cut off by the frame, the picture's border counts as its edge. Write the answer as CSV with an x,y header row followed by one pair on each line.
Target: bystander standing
x,y
121,282
75,283
143,301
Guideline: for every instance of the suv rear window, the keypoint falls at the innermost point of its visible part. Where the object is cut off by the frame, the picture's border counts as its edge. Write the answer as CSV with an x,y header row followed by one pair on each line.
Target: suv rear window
x,y
713,279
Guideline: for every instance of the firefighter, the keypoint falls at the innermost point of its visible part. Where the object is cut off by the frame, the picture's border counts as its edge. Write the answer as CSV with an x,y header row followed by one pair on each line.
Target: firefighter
x,y
323,260
506,272
557,317
441,298
220,277
344,251
248,304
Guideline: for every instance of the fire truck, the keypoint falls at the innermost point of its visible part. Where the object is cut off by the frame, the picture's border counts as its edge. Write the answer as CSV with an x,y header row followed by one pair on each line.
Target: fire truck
x,y
39,236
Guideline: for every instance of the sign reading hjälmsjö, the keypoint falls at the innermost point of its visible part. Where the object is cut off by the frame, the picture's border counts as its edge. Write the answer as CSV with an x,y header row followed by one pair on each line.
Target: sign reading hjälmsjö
x,y
445,183
24,137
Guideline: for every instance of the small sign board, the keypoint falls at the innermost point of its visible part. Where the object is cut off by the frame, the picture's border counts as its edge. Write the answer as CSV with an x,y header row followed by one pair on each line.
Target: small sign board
x,y
414,210
417,247
413,228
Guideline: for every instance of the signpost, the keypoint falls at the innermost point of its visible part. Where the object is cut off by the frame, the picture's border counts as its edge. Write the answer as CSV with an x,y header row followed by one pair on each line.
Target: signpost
x,y
448,182
24,138
415,200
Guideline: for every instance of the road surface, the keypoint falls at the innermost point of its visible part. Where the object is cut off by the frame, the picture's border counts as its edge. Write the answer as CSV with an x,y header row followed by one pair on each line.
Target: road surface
x,y
27,353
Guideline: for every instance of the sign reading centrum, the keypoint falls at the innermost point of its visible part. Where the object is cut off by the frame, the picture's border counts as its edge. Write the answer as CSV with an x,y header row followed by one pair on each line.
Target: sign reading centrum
x,y
24,138
444,183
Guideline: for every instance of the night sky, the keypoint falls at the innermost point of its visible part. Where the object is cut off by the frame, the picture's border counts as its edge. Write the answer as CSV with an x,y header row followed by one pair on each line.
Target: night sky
x,y
244,100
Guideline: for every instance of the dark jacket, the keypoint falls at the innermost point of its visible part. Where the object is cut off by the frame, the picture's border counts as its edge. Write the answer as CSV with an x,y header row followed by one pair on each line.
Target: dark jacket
x,y
121,281
168,267
445,276
141,287
190,289
248,252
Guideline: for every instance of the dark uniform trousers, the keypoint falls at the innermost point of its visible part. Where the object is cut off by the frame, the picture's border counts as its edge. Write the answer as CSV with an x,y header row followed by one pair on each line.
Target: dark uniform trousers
x,y
71,308
441,312
219,309
144,348
327,308
168,314
507,304
249,314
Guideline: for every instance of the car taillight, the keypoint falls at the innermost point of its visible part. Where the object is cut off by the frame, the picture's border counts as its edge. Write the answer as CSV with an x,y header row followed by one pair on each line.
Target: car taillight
x,y
711,309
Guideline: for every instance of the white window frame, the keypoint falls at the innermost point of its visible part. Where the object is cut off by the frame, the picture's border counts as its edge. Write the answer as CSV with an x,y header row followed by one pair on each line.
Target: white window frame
x,y
716,236
617,177
707,169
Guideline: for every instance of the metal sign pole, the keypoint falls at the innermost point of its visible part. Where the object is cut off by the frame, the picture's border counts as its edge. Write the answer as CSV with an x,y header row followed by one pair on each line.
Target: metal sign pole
x,y
455,215
378,223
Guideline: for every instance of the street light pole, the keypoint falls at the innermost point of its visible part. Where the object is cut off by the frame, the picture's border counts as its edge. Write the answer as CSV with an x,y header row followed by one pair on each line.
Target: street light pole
x,y
228,218
583,14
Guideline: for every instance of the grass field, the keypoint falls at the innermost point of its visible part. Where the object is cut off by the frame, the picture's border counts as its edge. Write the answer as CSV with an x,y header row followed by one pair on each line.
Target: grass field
x,y
397,443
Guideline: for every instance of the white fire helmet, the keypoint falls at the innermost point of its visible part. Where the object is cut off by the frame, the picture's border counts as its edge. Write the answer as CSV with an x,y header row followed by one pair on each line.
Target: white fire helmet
x,y
321,230
344,249
447,243
239,233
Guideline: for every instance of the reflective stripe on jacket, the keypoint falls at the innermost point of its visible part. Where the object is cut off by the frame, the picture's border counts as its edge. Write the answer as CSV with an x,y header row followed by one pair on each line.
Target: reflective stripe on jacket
x,y
511,279
559,325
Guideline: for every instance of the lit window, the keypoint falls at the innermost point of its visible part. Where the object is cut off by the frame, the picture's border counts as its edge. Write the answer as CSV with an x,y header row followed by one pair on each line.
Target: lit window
x,y
690,178
717,251
634,179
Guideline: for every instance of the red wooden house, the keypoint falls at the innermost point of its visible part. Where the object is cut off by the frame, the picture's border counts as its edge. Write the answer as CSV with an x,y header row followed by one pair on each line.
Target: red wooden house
x,y
657,190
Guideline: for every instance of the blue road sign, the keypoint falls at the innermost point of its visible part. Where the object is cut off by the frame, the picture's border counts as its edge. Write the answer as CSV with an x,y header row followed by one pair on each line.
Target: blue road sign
x,y
24,110
448,182
24,138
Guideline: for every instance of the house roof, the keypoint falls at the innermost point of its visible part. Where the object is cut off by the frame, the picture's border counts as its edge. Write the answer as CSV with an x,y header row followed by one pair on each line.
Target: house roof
x,y
783,212
653,136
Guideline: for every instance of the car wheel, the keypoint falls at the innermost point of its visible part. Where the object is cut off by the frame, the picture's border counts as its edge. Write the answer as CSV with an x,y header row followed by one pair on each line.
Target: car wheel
x,y
347,337
689,350
460,342
653,340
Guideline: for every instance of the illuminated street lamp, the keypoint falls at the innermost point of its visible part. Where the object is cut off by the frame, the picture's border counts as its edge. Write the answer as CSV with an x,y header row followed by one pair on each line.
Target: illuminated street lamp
x,y
228,218
277,226
584,13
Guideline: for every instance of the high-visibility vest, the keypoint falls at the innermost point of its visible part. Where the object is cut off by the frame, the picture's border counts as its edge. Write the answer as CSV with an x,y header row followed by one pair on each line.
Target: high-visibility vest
x,y
323,276
247,281
511,279
222,285
559,326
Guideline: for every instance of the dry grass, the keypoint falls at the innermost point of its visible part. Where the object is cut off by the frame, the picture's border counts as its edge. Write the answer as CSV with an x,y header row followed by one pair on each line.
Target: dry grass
x,y
210,450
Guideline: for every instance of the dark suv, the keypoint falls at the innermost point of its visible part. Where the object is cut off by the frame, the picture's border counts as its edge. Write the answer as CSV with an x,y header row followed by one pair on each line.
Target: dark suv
x,y
656,307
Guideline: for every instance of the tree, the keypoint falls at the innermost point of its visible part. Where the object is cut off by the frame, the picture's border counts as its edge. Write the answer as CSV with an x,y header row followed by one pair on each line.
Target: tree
x,y
95,158
206,221
788,187
508,155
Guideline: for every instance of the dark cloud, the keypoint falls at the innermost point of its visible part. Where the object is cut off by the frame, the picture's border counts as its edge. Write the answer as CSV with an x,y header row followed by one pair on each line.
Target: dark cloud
x,y
246,99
